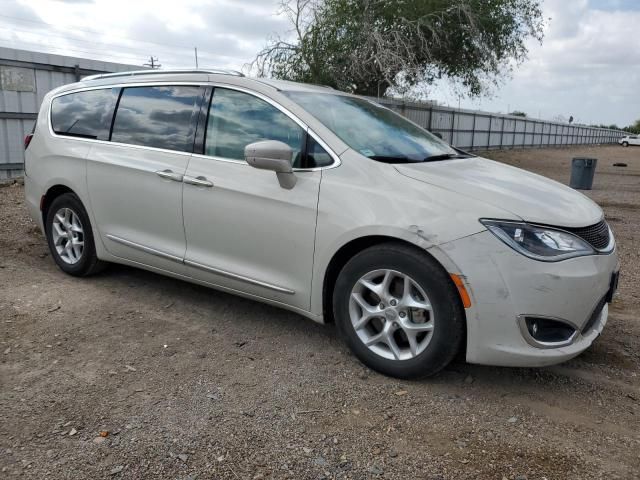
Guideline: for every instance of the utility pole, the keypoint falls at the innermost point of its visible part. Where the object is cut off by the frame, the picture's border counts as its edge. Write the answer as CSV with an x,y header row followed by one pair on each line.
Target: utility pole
x,y
195,49
153,62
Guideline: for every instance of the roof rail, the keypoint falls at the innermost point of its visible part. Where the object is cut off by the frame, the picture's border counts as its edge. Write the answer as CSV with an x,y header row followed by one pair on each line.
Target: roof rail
x,y
132,73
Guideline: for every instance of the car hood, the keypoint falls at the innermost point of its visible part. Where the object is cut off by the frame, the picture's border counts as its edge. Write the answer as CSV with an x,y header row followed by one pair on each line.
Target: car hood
x,y
531,197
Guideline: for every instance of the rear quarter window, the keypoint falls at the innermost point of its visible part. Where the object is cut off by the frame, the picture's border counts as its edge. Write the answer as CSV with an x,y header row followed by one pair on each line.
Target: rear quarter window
x,y
84,114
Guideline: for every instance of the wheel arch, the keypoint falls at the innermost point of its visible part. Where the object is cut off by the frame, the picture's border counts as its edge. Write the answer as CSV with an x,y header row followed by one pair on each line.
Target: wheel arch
x,y
51,194
348,251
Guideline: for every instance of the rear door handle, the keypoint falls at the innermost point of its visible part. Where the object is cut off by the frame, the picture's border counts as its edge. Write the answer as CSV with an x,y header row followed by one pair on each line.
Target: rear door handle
x,y
169,175
197,181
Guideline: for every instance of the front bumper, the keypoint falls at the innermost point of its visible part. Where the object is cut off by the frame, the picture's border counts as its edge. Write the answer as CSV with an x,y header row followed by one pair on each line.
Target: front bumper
x,y
505,286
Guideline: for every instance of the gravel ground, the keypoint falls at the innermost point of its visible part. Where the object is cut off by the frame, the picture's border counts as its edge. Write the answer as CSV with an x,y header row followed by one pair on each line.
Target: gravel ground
x,y
186,382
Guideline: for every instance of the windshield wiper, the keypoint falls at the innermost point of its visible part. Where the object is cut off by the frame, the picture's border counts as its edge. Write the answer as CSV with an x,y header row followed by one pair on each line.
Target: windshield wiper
x,y
401,159
444,156
393,159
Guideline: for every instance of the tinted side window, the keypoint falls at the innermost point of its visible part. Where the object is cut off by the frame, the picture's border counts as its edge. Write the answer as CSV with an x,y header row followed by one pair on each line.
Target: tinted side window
x,y
85,114
161,117
237,119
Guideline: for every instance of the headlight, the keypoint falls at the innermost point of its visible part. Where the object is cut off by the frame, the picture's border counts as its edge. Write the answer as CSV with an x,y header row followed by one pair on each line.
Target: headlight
x,y
540,243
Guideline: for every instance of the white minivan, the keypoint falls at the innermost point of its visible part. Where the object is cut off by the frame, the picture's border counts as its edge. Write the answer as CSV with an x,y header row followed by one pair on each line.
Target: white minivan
x,y
326,204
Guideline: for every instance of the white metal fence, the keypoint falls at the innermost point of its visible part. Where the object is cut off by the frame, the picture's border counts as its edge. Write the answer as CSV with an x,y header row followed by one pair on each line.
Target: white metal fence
x,y
476,130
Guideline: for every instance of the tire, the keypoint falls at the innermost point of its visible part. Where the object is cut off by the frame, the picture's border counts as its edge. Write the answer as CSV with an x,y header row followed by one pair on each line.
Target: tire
x,y
625,144
432,350
67,217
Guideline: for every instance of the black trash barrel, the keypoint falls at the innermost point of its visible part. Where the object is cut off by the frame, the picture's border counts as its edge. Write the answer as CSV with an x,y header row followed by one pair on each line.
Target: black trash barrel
x,y
582,172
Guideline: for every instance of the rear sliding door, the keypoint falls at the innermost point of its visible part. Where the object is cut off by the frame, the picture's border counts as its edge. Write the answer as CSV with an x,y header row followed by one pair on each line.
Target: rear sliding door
x,y
135,179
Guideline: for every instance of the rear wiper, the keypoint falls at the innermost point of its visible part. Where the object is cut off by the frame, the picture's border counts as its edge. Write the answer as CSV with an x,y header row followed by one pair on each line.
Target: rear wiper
x,y
80,135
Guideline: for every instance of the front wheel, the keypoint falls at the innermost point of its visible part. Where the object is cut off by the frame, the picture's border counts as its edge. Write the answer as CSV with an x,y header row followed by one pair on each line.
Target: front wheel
x,y
625,144
70,237
399,311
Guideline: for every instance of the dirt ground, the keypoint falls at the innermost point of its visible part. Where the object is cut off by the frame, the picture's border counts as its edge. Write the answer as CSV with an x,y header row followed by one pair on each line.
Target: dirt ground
x,y
193,383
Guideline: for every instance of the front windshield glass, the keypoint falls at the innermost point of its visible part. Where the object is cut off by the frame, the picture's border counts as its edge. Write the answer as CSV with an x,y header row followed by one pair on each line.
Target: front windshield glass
x,y
374,131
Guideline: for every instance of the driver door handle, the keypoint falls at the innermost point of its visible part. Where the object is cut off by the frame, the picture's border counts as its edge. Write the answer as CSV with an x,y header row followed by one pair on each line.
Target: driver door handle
x,y
169,175
197,181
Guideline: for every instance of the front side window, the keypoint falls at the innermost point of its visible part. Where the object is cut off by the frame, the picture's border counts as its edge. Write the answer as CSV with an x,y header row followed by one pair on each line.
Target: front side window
x,y
237,119
374,131
160,117
84,114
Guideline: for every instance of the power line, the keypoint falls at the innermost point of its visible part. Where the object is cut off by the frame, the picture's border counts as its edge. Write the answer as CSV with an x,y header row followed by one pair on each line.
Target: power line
x,y
113,56
40,22
79,40
76,39
65,49
114,52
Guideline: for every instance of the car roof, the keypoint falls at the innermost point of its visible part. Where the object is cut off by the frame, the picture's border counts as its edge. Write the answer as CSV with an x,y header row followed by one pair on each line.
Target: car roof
x,y
200,75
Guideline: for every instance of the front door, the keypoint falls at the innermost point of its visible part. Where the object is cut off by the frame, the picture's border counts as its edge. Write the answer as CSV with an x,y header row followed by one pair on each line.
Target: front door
x,y
135,181
244,231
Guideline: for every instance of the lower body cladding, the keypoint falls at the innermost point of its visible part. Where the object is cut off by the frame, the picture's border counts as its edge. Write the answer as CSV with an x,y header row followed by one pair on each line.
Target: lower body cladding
x,y
527,313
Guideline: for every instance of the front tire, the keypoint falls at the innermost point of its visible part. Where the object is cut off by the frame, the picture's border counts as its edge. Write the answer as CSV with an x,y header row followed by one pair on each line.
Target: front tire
x,y
625,144
399,311
70,237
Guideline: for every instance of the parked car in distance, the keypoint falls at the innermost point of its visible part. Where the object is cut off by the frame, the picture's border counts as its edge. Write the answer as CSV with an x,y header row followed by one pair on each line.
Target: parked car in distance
x,y
326,204
629,140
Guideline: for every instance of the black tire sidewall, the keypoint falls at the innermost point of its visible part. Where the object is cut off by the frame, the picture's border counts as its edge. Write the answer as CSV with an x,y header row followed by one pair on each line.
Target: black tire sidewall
x,y
625,144
447,308
88,260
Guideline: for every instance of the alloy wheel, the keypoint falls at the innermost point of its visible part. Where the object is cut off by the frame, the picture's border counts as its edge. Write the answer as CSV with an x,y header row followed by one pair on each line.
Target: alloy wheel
x,y
68,235
391,314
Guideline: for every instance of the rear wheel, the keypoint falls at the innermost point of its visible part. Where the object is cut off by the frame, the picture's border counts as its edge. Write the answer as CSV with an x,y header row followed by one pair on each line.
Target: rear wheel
x,y
70,237
399,311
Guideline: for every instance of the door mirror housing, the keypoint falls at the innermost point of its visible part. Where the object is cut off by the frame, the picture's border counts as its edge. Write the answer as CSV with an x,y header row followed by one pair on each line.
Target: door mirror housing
x,y
275,156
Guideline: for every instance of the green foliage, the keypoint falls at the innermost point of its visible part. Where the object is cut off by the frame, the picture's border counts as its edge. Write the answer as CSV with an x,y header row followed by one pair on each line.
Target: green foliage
x,y
368,46
518,113
635,128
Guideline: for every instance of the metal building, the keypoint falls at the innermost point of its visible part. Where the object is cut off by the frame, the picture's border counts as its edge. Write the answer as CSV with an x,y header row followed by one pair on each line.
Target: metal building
x,y
25,77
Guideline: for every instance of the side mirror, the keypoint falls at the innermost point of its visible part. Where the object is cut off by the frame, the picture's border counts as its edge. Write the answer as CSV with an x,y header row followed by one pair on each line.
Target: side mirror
x,y
272,155
438,134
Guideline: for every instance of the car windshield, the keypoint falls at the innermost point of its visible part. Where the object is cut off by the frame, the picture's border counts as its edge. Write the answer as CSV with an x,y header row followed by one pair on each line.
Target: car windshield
x,y
374,131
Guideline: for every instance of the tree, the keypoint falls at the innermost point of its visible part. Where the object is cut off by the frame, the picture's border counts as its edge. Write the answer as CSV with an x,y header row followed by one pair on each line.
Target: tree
x,y
518,113
369,46
613,126
635,128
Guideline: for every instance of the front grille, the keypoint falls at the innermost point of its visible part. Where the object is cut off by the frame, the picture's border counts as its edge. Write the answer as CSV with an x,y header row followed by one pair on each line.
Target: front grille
x,y
596,235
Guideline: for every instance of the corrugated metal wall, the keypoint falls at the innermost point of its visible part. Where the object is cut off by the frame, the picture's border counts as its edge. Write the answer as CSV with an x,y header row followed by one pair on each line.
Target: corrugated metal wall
x,y
475,130
25,78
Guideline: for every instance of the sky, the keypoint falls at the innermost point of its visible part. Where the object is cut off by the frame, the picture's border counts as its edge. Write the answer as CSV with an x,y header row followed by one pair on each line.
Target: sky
x,y
588,65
